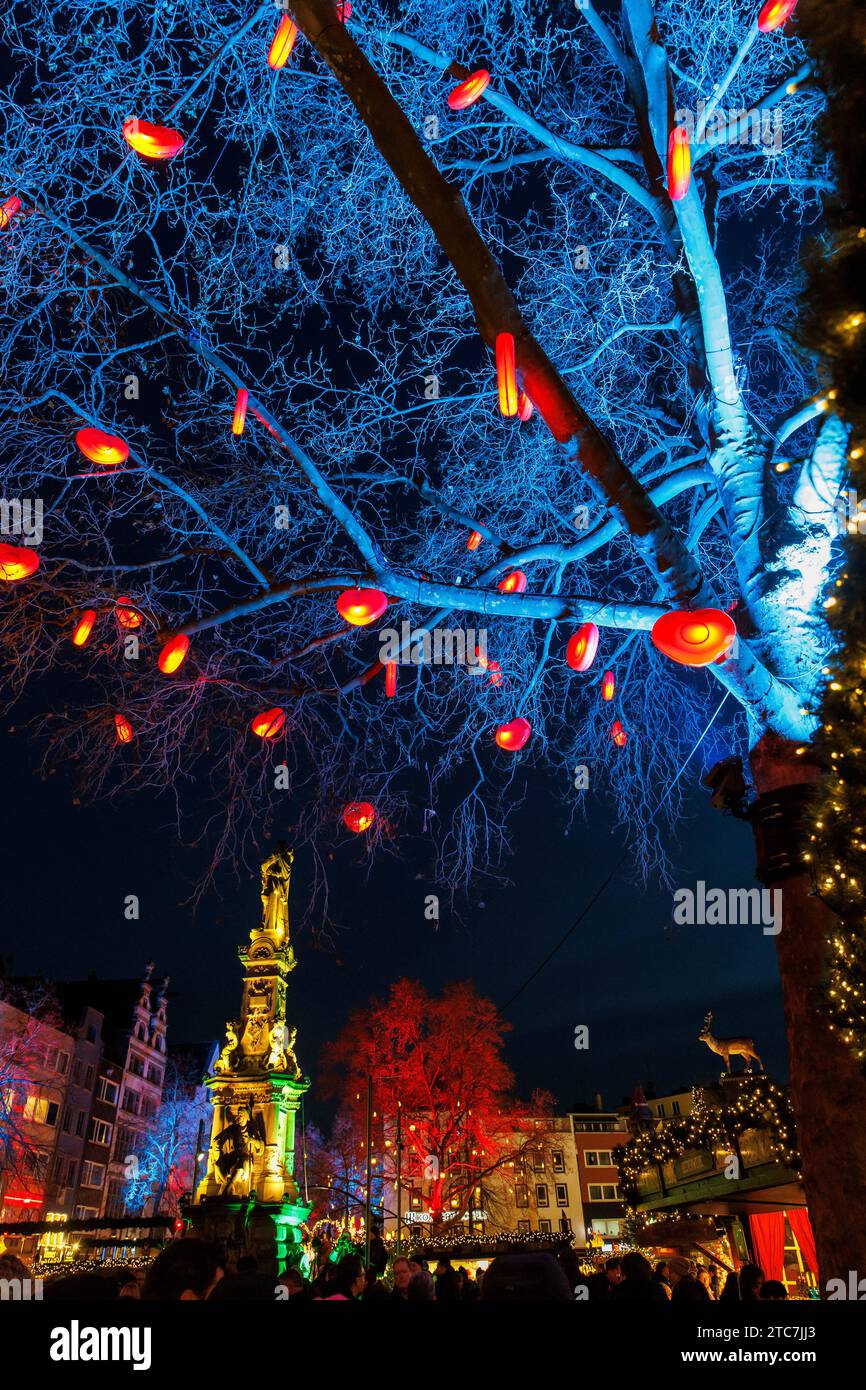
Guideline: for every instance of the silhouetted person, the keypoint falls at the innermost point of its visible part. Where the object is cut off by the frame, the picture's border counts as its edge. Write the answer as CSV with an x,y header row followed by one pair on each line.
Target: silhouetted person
x,y
536,1277
602,1284
349,1280
637,1284
773,1290
86,1286
447,1283
750,1280
378,1252
662,1276
690,1290
420,1289
189,1268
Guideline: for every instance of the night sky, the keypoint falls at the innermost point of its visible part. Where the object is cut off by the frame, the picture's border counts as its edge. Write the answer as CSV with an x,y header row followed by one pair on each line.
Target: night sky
x,y
640,984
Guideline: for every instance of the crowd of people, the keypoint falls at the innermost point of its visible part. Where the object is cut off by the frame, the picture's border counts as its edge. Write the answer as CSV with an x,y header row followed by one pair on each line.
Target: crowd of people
x,y
632,1277
194,1269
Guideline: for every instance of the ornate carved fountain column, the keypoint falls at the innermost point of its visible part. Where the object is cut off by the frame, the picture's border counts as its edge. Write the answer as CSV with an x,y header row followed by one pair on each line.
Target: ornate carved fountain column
x,y
248,1197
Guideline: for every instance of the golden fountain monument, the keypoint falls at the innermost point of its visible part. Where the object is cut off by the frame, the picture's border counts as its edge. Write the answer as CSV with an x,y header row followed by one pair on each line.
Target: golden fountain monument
x,y
248,1197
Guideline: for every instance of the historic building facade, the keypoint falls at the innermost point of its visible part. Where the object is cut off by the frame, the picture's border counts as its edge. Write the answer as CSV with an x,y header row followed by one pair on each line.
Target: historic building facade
x,y
83,1073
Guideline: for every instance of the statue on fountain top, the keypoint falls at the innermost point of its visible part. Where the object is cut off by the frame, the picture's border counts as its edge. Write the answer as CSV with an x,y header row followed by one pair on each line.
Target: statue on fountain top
x,y
276,880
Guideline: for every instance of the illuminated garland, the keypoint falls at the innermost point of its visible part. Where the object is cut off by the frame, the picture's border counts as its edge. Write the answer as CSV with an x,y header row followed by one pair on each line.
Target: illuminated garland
x,y
470,1245
835,327
763,1105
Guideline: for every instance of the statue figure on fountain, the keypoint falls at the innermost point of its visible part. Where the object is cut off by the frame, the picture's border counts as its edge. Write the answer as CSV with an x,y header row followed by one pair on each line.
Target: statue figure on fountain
x,y
276,882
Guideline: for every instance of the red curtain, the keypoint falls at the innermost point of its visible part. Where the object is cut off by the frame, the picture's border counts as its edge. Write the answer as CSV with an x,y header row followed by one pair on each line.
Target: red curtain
x,y
800,1224
768,1239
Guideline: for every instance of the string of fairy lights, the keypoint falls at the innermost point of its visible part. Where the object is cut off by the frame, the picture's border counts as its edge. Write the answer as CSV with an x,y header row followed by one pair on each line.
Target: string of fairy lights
x,y
834,326
762,1105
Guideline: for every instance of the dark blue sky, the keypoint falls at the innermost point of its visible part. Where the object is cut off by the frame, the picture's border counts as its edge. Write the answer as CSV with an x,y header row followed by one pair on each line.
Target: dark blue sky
x,y
640,985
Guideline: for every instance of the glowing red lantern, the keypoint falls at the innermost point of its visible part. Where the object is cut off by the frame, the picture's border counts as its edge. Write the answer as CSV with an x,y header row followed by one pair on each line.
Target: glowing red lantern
x,y
608,685
269,723
152,141
8,211
679,163
774,14
524,406
694,639
173,654
17,562
618,734
108,450
469,91
361,606
239,419
514,735
128,617
513,583
84,627
487,665
282,43
125,731
391,679
582,647
505,374
475,539
358,816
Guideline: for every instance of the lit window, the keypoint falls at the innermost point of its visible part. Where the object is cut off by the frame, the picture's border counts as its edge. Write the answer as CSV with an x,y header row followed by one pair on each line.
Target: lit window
x,y
92,1174
100,1131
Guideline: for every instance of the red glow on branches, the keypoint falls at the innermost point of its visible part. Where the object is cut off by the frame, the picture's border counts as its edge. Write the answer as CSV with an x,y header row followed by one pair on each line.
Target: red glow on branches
x,y
152,141
694,638
618,734
492,666
774,14
17,562
361,606
505,374
582,647
108,450
125,731
513,583
469,91
679,163
391,679
269,723
239,419
173,654
513,735
358,816
475,539
84,627
608,685
525,407
128,617
8,210
282,43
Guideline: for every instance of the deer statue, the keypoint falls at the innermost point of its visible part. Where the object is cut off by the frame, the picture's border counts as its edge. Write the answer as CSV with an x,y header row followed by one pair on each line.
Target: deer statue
x,y
730,1047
